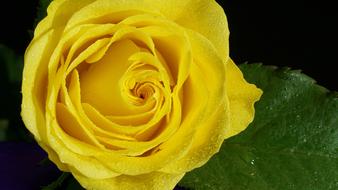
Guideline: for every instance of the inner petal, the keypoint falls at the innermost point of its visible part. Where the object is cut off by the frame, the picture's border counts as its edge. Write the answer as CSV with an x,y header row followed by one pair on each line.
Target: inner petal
x,y
100,82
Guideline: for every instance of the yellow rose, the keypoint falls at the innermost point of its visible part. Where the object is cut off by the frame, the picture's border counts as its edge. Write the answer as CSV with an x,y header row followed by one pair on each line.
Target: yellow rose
x,y
133,94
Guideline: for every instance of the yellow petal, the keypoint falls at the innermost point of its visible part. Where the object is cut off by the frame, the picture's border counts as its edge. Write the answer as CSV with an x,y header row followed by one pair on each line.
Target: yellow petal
x,y
211,127
103,122
71,126
74,153
150,181
206,142
58,13
139,165
78,115
203,16
86,165
33,83
124,32
72,40
157,134
173,45
54,157
109,11
209,62
100,84
89,52
242,97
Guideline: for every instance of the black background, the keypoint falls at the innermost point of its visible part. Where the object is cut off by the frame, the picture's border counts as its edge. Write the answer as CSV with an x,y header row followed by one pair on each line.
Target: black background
x,y
294,33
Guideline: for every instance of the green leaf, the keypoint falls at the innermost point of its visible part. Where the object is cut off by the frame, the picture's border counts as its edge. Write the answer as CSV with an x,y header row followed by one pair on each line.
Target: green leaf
x,y
13,62
292,143
73,185
3,129
11,66
42,10
57,183
66,182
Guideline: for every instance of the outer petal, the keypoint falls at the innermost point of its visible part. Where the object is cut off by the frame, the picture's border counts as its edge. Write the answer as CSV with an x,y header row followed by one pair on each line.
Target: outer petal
x,y
58,13
206,142
52,155
109,11
34,75
151,181
210,133
36,63
203,16
242,97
